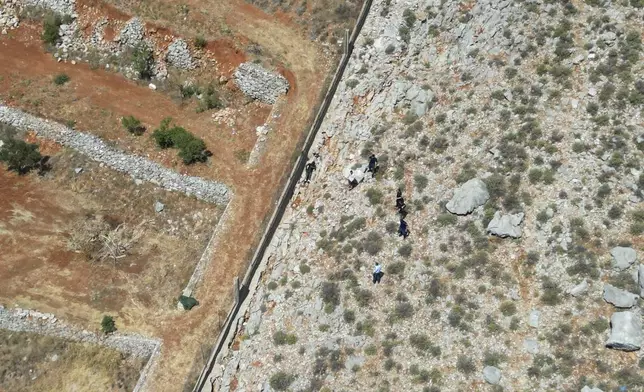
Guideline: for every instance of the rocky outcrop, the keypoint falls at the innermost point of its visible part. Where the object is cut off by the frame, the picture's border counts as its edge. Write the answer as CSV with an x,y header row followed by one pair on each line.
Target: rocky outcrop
x,y
505,225
136,166
619,298
258,83
467,197
623,257
626,331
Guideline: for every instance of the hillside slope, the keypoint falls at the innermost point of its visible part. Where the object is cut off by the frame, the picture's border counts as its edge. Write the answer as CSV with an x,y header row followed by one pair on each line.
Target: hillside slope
x,y
540,101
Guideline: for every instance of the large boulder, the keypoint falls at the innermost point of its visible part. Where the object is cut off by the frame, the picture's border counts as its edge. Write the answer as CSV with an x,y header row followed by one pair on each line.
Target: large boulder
x,y
618,297
623,257
468,196
625,332
506,225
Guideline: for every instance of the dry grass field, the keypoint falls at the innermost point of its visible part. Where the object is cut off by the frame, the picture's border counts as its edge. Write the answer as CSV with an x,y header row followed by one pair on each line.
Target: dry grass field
x,y
36,363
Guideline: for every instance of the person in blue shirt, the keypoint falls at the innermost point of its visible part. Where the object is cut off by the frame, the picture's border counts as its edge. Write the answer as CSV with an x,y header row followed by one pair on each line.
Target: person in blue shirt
x,y
377,273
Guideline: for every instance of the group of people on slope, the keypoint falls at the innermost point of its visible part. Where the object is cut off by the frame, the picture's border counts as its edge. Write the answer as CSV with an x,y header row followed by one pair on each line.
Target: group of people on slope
x,y
372,167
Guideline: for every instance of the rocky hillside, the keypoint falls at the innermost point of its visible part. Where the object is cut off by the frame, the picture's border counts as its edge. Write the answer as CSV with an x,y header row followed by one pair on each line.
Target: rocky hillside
x,y
515,131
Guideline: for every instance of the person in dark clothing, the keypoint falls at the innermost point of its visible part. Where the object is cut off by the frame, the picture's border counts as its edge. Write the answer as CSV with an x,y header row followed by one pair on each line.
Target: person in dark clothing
x,y
377,273
402,210
310,167
399,199
402,229
373,165
352,180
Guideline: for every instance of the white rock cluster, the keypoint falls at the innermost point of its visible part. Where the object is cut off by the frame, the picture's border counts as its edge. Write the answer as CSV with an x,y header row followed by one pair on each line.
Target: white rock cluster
x,y
63,7
8,15
179,56
132,33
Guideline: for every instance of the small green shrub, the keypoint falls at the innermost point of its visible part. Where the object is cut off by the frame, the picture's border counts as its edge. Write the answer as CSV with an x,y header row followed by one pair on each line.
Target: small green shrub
x,y
493,358
108,325
551,293
142,60
209,99
200,42
280,381
405,250
349,316
373,243
374,195
402,310
330,293
281,338
51,26
351,83
61,79
20,156
133,125
465,365
188,302
396,268
420,181
446,219
191,148
508,308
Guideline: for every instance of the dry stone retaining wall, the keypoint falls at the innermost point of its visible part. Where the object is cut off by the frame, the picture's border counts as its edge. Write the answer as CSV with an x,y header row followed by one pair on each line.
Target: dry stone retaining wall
x,y
24,320
98,150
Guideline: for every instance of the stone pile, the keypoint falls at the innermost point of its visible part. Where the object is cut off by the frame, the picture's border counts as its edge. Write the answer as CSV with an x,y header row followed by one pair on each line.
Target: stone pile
x,y
258,83
8,15
178,55
63,7
132,33
98,150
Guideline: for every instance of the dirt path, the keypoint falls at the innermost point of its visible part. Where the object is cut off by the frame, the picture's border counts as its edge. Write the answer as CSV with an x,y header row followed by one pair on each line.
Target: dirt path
x,y
96,99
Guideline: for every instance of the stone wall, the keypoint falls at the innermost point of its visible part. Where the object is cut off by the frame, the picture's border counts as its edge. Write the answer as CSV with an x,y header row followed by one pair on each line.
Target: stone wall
x,y
24,320
138,167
